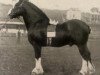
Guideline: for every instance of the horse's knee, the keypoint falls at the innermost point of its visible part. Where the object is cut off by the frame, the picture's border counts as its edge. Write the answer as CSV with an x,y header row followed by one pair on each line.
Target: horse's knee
x,y
37,50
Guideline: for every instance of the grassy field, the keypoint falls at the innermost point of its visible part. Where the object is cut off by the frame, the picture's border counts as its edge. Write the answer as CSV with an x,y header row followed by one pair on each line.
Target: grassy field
x,y
18,58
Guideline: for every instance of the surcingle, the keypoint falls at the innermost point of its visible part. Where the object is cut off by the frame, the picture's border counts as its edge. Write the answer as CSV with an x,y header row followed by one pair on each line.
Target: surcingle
x,y
51,32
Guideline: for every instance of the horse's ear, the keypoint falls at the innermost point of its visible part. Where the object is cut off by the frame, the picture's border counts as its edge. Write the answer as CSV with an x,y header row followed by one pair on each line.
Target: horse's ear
x,y
14,2
18,2
23,0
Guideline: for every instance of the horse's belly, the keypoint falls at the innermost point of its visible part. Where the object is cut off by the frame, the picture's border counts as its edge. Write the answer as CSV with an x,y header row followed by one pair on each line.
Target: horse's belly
x,y
58,42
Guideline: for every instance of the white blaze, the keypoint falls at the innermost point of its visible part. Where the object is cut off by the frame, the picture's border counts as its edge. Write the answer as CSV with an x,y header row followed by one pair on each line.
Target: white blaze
x,y
9,11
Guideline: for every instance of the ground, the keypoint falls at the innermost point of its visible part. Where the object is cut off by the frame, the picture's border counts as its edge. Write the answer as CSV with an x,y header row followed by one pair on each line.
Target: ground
x,y
17,58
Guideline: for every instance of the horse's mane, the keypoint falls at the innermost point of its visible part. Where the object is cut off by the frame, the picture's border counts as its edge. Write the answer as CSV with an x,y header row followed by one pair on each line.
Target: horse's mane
x,y
36,10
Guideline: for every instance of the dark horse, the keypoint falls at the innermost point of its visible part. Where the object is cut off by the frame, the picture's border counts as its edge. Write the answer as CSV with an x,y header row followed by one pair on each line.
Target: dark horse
x,y
72,32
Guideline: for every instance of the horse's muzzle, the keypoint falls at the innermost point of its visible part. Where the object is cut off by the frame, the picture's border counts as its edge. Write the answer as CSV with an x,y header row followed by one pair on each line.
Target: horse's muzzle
x,y
10,16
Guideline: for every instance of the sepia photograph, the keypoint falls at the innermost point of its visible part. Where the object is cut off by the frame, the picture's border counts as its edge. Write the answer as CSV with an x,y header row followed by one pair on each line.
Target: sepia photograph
x,y
49,37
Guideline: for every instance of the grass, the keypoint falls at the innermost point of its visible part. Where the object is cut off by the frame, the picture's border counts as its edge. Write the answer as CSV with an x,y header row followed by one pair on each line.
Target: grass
x,y
18,58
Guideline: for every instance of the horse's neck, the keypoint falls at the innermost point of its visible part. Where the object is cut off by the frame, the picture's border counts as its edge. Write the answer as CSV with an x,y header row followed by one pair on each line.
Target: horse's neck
x,y
43,24
34,15
27,23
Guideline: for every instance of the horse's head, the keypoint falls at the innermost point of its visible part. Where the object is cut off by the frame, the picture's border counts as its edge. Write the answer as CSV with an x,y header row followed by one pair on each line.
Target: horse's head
x,y
17,9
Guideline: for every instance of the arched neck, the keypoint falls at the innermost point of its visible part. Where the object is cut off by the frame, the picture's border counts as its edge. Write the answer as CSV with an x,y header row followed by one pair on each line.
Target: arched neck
x,y
33,15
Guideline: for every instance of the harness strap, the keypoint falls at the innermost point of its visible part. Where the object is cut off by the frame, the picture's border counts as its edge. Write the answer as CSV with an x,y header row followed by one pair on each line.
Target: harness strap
x,y
49,39
51,33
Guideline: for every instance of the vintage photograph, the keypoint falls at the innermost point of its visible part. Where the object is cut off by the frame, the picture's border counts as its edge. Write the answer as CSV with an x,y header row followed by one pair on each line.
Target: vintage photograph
x,y
49,37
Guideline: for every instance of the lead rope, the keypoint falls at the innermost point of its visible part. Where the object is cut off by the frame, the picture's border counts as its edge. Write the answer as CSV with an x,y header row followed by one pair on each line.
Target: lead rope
x,y
9,20
6,22
20,19
4,25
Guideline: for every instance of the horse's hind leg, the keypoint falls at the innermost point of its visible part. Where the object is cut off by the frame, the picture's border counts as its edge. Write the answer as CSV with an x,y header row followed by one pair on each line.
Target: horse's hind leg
x,y
38,66
87,66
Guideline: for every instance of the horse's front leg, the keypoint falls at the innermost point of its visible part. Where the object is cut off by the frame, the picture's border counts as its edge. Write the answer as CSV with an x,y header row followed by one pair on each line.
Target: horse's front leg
x,y
38,66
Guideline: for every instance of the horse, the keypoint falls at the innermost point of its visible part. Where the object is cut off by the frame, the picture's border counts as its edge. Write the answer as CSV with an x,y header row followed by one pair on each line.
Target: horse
x,y
72,32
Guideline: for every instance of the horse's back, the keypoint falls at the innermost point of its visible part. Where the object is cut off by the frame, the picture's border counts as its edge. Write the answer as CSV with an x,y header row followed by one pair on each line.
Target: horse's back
x,y
76,25
71,32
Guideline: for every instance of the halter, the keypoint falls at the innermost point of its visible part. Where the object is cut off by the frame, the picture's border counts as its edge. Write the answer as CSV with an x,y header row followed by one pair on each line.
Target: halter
x,y
10,19
17,17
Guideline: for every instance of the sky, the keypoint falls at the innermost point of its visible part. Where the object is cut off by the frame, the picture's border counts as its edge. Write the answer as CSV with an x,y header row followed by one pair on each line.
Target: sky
x,y
84,5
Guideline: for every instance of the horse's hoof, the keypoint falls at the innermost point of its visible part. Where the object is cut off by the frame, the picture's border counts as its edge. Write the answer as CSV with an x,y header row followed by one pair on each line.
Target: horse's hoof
x,y
35,74
37,71
82,73
92,72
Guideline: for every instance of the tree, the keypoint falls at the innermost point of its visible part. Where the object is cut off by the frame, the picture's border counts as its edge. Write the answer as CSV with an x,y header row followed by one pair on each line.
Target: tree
x,y
95,9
